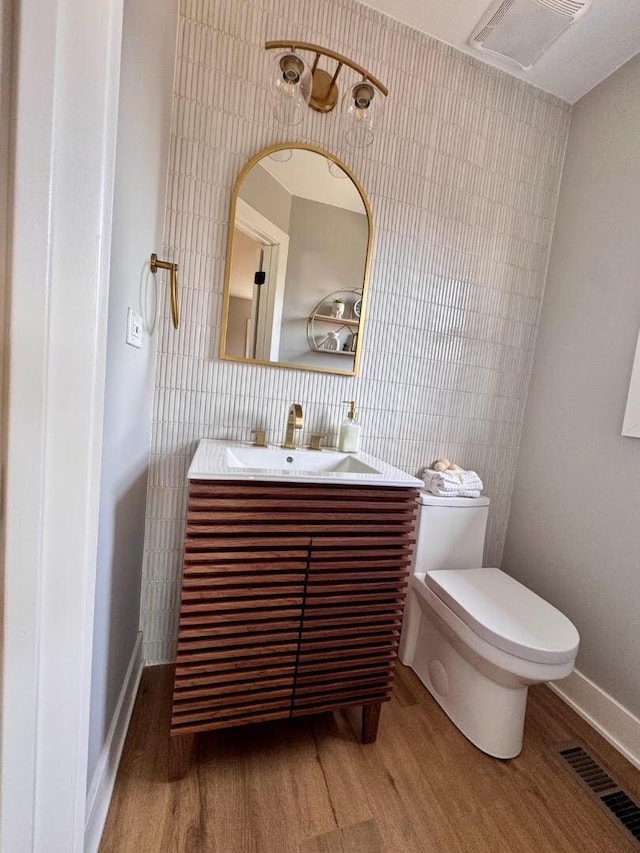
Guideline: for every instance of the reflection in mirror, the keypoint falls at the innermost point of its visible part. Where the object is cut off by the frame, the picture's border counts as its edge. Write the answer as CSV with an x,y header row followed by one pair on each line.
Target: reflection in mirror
x,y
297,262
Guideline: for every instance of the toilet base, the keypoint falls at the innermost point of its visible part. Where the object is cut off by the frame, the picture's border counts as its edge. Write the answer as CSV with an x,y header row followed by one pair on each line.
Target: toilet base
x,y
489,714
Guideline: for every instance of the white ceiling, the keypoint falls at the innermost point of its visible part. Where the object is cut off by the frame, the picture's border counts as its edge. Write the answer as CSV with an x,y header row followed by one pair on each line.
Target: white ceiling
x,y
599,42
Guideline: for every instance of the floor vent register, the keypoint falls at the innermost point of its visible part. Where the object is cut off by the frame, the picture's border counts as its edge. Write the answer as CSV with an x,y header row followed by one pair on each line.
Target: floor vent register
x,y
603,788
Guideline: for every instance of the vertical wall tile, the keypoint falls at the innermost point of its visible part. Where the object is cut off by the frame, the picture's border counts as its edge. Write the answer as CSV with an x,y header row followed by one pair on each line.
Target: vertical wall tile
x,y
463,179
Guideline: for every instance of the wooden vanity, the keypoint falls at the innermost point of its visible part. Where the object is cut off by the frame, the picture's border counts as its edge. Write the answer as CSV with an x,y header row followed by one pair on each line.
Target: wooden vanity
x,y
291,603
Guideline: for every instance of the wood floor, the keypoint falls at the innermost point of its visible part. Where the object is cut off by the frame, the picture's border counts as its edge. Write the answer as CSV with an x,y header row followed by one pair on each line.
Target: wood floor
x,y
309,786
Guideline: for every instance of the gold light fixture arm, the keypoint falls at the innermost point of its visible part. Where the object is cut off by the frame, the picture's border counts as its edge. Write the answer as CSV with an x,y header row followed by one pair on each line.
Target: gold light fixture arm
x,y
156,265
337,71
330,54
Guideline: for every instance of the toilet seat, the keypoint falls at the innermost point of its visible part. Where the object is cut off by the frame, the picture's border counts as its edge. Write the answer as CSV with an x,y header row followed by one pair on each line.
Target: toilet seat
x,y
506,614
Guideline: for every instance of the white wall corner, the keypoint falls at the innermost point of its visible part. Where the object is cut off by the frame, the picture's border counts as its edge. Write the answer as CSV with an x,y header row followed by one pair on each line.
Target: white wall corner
x,y
104,777
607,716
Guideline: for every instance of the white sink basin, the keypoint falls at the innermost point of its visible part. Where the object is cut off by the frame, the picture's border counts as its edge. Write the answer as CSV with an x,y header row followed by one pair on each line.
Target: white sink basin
x,y
313,461
227,460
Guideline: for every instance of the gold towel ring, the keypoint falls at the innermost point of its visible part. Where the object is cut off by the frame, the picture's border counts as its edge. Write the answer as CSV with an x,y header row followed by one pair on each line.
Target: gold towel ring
x,y
156,265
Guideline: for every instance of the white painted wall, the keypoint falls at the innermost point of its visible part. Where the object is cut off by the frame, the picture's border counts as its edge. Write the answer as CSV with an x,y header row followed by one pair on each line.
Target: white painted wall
x,y
6,60
574,529
264,193
144,123
6,87
327,253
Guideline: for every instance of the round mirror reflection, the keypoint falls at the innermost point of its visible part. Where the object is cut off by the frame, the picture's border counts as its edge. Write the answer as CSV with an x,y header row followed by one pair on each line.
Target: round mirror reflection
x,y
297,262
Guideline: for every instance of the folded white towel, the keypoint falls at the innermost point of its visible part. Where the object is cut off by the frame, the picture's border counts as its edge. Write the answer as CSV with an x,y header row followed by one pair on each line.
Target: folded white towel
x,y
452,484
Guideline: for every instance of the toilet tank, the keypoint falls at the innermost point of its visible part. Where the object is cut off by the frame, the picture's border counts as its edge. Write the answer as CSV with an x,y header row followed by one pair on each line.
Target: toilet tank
x,y
450,532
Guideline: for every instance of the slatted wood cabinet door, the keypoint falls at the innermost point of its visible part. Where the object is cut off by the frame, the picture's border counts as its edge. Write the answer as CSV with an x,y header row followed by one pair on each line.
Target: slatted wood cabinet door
x,y
291,603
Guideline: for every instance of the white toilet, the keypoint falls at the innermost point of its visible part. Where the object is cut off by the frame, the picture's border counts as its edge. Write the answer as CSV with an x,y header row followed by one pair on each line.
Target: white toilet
x,y
476,637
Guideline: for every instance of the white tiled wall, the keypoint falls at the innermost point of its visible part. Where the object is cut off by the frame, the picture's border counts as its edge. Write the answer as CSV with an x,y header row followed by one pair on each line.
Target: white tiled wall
x,y
463,180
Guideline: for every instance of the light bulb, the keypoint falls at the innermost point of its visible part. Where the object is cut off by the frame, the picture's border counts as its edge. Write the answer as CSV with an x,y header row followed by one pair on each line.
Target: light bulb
x,y
360,110
291,88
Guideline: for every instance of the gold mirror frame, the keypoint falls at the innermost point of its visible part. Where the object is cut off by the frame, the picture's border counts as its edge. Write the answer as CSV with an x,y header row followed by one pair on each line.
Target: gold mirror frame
x,y
265,152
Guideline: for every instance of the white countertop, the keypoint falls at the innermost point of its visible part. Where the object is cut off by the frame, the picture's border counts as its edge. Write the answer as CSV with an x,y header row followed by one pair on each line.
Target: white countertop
x,y
219,460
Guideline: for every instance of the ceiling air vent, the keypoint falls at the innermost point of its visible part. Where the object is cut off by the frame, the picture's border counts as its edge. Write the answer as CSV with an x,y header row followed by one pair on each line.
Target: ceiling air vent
x,y
522,30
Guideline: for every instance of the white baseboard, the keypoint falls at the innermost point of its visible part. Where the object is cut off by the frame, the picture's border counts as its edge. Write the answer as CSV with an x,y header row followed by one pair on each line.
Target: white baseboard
x,y
606,715
104,777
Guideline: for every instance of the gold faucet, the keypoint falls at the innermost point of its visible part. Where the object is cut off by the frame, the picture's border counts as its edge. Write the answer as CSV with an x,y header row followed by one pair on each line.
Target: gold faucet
x,y
294,422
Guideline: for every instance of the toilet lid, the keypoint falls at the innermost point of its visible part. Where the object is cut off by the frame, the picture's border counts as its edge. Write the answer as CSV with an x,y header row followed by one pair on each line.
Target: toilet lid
x,y
506,614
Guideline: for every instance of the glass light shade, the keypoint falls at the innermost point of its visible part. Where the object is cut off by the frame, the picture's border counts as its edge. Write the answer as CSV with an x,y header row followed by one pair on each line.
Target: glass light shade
x,y
361,109
335,170
283,155
292,83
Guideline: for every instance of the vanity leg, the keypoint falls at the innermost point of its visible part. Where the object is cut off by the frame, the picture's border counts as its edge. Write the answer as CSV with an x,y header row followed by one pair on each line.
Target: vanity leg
x,y
370,720
181,750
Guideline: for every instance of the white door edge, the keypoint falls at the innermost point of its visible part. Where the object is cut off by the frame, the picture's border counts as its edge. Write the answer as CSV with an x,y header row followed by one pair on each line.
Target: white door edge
x,y
65,132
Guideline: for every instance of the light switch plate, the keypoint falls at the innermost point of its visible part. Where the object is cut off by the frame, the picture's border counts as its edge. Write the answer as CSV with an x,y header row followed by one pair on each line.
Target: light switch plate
x,y
134,328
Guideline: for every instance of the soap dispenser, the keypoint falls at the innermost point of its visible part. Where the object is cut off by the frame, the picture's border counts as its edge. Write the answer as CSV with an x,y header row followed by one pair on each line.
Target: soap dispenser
x,y
349,437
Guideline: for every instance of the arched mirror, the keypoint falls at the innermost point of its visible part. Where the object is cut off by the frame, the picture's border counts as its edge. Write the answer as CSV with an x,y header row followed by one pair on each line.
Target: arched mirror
x,y
297,262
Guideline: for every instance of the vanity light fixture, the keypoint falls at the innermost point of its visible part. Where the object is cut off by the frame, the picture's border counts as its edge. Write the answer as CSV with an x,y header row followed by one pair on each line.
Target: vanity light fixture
x,y
297,85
